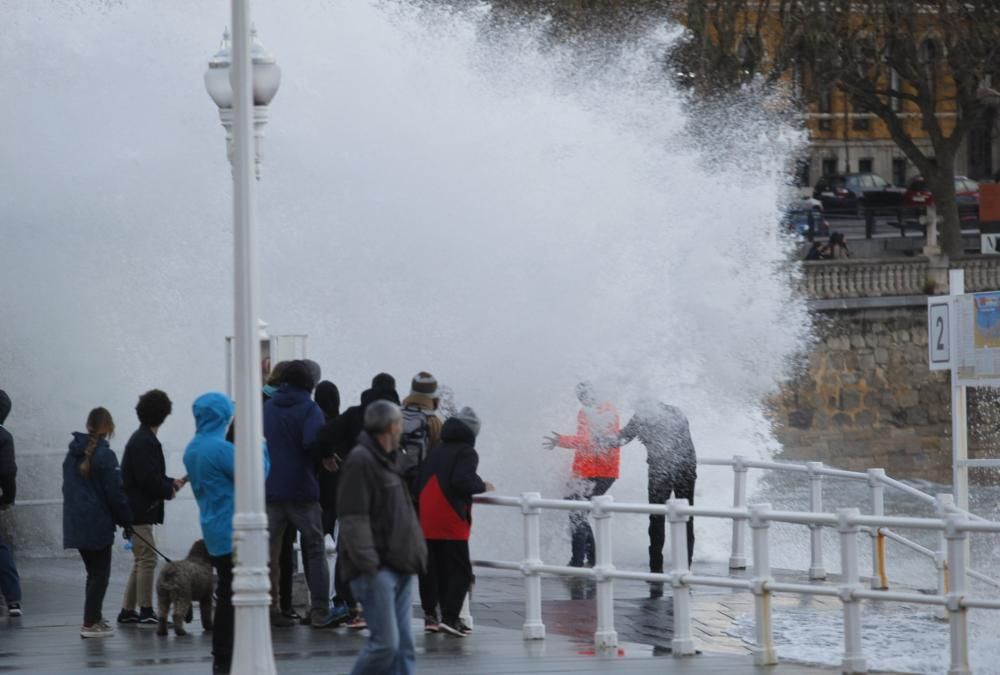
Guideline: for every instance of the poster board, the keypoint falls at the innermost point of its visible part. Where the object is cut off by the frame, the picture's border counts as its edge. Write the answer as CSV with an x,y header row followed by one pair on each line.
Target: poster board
x,y
977,339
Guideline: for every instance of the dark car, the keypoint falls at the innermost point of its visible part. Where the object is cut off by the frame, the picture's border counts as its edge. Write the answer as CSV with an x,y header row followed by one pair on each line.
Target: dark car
x,y
857,192
918,194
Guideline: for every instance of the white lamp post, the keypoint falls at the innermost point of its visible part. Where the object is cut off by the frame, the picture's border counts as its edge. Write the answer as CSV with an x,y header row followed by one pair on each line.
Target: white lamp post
x,y
242,80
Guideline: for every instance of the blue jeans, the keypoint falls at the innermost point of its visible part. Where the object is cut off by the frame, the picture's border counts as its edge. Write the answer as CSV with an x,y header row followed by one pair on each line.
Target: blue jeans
x,y
388,604
10,582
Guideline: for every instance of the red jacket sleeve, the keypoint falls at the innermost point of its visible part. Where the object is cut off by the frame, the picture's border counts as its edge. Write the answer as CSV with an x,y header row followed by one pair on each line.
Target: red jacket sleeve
x,y
584,439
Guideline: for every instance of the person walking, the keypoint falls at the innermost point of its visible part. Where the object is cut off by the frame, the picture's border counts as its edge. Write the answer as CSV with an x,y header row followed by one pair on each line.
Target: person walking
x,y
210,461
595,467
381,544
448,481
673,467
144,475
291,420
10,580
94,502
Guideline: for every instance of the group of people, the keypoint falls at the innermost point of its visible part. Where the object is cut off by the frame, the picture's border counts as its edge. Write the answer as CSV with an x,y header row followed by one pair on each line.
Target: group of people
x,y
834,249
394,480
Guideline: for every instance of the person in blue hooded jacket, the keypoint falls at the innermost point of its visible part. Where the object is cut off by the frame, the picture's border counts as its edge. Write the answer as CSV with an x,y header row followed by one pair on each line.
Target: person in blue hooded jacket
x,y
94,502
210,461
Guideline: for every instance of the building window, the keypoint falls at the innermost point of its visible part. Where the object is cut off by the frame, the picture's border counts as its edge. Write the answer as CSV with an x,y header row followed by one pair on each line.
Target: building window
x,y
866,165
825,107
830,166
899,171
859,118
802,173
895,103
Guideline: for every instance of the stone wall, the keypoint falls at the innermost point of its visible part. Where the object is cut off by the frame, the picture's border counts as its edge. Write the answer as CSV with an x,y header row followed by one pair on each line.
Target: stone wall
x,y
865,398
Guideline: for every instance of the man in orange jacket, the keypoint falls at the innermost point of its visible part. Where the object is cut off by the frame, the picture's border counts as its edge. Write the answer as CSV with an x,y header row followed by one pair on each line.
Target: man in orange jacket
x,y
595,468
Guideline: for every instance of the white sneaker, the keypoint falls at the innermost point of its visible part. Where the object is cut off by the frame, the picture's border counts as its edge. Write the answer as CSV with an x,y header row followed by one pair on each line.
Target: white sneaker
x,y
98,630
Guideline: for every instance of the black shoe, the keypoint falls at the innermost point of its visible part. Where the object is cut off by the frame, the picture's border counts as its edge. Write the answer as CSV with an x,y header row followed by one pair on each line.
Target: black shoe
x,y
574,563
431,624
452,629
464,627
128,616
221,667
655,590
146,617
14,609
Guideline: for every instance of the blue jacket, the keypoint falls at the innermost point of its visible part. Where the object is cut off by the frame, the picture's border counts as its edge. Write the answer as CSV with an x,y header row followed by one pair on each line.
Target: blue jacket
x,y
291,420
210,461
92,506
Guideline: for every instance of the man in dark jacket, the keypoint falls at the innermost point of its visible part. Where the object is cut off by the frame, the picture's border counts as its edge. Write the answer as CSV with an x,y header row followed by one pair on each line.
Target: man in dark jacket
x,y
448,480
291,420
381,545
144,474
673,466
10,581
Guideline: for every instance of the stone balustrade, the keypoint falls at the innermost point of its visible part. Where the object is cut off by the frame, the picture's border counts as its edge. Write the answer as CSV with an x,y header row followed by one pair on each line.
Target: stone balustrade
x,y
886,277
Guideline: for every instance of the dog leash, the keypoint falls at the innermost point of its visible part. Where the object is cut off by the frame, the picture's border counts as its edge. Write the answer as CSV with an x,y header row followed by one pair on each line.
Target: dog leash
x,y
146,542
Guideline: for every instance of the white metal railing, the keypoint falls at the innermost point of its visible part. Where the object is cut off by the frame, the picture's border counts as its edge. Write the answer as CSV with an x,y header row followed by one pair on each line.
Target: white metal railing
x,y
877,481
954,527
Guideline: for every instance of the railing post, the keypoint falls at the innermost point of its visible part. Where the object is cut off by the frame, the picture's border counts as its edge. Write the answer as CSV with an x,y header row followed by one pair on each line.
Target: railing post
x,y
738,560
534,628
854,660
958,615
880,581
763,651
605,637
816,570
682,643
944,503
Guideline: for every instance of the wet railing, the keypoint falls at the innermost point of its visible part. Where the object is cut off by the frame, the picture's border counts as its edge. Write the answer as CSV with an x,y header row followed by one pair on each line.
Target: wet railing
x,y
886,277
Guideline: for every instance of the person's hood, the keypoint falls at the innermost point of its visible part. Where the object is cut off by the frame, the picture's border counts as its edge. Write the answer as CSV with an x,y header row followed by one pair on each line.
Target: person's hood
x,y
289,396
457,431
212,413
369,396
327,397
80,441
422,401
4,406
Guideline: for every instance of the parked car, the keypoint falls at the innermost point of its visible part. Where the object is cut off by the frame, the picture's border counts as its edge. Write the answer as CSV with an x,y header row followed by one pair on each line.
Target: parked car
x,y
797,221
918,194
857,192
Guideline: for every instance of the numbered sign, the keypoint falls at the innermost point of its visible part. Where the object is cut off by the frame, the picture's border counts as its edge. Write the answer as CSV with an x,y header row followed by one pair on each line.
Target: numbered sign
x,y
939,335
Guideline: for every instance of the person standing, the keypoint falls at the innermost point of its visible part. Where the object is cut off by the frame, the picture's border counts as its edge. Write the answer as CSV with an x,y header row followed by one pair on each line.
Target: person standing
x,y
381,544
448,481
210,461
673,467
144,475
10,580
595,467
291,420
94,502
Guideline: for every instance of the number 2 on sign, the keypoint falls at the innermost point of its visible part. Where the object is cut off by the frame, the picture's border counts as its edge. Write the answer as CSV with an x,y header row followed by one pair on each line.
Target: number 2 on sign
x,y
940,326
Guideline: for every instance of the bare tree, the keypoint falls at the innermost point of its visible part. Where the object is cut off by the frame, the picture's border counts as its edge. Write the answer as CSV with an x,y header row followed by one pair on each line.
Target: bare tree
x,y
922,67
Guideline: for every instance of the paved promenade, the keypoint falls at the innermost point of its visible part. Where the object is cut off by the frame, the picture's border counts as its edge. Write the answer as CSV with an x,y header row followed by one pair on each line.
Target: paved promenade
x,y
46,639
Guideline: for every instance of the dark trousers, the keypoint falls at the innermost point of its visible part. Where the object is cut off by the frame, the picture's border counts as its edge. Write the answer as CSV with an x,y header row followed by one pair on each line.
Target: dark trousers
x,y
10,581
660,487
286,563
222,623
98,563
428,587
449,565
582,535
341,588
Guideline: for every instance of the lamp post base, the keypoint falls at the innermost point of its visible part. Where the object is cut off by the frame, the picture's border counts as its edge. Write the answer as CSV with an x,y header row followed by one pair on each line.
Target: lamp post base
x,y
252,650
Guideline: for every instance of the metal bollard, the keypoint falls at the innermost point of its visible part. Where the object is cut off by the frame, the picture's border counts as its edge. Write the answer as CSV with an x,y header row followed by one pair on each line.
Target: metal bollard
x,y
944,502
534,628
880,581
763,651
605,637
854,659
816,570
682,643
958,615
738,560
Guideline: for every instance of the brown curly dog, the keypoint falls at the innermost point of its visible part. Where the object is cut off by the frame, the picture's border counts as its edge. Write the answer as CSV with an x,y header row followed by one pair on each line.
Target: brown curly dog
x,y
182,582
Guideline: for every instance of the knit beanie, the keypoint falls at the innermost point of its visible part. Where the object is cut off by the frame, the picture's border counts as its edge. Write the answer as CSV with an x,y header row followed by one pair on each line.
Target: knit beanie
x,y
469,418
424,384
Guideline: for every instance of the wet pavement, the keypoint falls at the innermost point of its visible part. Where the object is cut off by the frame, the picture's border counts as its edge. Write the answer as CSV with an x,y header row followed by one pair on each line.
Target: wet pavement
x,y
46,639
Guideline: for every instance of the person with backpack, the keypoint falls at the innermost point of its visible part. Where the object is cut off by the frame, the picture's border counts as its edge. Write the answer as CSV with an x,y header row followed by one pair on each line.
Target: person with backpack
x,y
421,432
448,481
94,502
144,474
10,580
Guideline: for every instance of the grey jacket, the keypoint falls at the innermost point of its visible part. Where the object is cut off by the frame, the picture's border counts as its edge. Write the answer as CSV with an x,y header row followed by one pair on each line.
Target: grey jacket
x,y
378,524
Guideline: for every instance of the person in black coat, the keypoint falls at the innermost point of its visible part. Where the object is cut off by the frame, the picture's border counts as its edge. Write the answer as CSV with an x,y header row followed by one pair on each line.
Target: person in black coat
x,y
448,480
144,475
10,580
94,502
